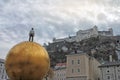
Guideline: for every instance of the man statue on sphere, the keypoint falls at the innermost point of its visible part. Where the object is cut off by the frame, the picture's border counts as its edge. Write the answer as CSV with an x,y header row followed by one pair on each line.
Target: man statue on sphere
x,y
31,34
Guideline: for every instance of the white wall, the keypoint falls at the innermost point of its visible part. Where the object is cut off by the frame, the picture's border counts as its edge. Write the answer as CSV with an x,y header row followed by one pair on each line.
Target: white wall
x,y
110,73
60,74
3,74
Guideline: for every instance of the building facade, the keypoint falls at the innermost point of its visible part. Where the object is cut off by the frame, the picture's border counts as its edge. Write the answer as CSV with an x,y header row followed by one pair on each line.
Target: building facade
x,y
60,71
82,67
85,34
3,75
106,33
118,49
60,74
110,71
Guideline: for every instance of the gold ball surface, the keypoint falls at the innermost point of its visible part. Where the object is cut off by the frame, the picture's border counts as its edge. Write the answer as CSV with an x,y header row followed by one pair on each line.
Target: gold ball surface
x,y
27,61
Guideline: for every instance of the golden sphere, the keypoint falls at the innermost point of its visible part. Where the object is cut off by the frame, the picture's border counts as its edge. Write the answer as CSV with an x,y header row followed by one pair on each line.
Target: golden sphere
x,y
27,61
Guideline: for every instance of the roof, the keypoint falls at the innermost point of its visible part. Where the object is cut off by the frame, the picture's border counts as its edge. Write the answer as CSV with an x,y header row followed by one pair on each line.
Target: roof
x,y
108,64
78,54
60,68
85,31
61,64
2,60
106,32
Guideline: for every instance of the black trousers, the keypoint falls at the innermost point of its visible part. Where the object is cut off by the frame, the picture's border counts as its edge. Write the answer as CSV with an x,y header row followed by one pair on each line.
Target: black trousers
x,y
31,38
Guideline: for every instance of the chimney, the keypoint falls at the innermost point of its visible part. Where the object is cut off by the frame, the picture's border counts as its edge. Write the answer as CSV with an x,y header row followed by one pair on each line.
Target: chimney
x,y
110,58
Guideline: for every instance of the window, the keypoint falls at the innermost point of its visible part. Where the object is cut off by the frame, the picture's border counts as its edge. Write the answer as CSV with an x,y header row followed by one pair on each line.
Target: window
x,y
2,76
5,77
78,70
3,71
98,78
118,76
72,70
78,61
118,70
108,77
72,61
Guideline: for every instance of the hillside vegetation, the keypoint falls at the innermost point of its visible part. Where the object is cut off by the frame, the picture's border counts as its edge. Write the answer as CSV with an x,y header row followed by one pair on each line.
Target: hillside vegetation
x,y
99,47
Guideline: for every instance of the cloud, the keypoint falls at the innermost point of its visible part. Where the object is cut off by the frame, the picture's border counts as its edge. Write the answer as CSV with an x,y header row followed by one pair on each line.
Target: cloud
x,y
54,18
35,12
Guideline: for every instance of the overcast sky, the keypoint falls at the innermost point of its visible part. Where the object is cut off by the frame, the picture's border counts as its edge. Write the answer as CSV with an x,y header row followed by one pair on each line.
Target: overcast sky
x,y
53,18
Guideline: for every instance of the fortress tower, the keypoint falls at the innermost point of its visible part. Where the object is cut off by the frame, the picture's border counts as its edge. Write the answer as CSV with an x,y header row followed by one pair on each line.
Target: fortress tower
x,y
111,31
84,34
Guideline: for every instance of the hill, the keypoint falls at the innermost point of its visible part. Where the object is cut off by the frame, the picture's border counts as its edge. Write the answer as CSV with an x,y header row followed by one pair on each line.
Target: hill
x,y
99,47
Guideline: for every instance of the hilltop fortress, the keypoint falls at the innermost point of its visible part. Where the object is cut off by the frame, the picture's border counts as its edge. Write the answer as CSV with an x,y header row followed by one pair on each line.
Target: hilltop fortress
x,y
85,34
